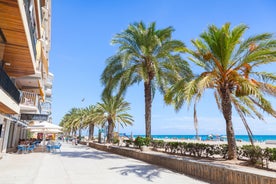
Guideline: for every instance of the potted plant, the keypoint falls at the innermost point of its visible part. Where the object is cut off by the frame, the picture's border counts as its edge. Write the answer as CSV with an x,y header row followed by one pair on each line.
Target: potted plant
x,y
142,143
128,143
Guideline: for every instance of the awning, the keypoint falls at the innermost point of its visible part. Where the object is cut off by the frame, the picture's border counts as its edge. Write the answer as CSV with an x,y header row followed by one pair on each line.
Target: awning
x,y
45,62
40,55
41,90
38,50
45,127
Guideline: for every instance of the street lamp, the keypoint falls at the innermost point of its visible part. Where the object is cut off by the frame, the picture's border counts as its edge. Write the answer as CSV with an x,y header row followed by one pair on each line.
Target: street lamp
x,y
81,121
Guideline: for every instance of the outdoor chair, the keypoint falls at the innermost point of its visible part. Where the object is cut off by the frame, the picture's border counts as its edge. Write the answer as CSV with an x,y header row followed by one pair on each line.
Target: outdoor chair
x,y
49,147
31,148
21,148
57,146
36,143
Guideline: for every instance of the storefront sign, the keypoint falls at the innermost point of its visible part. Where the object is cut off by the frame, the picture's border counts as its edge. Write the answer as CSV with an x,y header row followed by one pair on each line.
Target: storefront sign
x,y
35,117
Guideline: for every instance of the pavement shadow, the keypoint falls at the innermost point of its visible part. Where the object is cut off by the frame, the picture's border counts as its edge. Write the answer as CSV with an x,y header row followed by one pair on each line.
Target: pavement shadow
x,y
147,172
88,154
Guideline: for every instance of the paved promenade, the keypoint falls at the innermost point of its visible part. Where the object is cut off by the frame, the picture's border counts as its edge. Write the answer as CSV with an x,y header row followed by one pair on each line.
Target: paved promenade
x,y
83,165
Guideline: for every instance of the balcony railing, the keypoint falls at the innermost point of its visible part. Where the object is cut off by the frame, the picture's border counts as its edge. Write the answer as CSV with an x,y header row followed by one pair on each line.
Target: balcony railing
x,y
29,99
48,92
7,85
48,99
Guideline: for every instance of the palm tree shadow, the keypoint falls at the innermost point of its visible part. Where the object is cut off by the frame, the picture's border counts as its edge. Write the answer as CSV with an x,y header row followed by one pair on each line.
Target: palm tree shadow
x,y
89,155
147,172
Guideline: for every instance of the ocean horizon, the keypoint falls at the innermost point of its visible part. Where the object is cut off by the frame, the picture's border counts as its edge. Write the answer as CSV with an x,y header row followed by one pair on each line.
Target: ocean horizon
x,y
257,138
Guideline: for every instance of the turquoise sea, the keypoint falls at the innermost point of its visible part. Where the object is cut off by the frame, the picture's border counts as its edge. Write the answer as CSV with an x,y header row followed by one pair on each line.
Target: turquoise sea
x,y
257,138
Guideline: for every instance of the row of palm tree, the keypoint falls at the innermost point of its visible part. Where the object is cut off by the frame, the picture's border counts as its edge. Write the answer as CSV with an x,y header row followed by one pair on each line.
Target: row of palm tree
x,y
229,64
112,109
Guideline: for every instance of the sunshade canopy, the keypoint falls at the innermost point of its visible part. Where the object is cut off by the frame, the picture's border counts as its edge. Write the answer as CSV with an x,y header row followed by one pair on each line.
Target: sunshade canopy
x,y
45,127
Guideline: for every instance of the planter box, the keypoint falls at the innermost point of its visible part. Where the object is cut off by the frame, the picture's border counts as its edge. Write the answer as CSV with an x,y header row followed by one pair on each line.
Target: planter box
x,y
208,171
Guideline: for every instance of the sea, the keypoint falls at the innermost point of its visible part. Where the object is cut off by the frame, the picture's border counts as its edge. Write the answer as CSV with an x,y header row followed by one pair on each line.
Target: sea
x,y
256,138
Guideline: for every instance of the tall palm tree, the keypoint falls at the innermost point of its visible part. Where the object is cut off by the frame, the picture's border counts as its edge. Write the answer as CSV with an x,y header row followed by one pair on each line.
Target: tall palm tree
x,y
71,121
88,120
80,118
230,65
112,110
145,54
64,123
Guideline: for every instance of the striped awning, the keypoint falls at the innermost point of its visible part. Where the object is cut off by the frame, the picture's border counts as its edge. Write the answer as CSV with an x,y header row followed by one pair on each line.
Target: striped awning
x,y
45,62
40,55
41,90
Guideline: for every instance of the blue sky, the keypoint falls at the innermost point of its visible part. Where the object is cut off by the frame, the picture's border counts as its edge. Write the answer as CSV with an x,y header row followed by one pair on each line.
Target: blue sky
x,y
81,35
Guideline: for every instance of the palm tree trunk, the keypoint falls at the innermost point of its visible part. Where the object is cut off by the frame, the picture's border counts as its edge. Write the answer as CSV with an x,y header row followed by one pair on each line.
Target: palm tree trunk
x,y
196,122
91,131
79,133
110,131
227,113
148,100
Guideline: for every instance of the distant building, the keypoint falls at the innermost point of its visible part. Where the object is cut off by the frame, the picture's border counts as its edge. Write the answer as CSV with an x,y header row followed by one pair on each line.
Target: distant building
x,y
25,80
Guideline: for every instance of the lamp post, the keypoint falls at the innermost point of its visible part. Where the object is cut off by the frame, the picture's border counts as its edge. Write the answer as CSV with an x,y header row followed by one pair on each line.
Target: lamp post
x,y
81,121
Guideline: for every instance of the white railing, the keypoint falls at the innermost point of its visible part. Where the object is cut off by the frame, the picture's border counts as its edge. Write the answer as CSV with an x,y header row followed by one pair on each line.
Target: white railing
x,y
29,98
48,92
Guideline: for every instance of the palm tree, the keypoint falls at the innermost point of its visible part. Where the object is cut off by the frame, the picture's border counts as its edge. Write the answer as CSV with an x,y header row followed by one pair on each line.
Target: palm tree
x,y
229,63
112,110
71,121
145,54
88,120
64,124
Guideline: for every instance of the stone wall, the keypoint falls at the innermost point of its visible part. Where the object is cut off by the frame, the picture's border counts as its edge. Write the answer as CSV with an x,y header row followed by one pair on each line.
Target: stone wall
x,y
215,173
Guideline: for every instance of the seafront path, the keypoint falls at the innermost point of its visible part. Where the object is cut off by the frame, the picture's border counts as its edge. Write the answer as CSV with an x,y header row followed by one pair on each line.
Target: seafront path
x,y
83,165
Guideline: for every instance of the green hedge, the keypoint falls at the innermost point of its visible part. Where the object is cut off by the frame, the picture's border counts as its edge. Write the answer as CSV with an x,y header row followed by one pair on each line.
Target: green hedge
x,y
254,154
142,141
257,155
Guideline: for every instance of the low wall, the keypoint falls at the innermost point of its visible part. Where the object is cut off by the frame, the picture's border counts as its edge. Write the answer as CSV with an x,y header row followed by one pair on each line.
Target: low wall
x,y
207,171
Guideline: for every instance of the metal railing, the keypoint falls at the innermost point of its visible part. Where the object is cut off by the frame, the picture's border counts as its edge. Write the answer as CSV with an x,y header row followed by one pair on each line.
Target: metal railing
x,y
48,99
7,85
29,99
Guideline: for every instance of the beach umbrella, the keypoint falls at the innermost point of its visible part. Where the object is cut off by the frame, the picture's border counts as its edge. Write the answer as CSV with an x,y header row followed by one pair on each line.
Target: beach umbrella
x,y
45,127
54,131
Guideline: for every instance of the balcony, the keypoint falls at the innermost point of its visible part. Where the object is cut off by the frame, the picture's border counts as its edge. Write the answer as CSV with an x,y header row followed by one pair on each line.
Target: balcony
x,y
48,92
46,108
9,94
48,99
19,50
49,83
7,85
29,102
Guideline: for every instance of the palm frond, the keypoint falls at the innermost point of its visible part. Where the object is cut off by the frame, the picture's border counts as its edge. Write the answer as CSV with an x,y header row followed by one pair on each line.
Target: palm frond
x,y
241,114
265,76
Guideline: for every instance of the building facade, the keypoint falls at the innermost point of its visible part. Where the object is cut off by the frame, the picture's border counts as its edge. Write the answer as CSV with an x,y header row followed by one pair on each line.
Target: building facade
x,y
25,40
